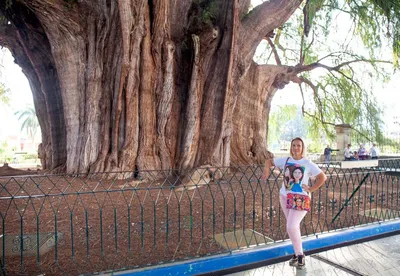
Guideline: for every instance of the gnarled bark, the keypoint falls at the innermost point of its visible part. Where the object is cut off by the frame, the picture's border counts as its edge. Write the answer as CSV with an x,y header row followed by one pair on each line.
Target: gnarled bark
x,y
134,84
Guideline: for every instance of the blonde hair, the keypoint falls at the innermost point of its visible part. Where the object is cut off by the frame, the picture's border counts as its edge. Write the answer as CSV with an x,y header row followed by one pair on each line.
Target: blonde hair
x,y
304,150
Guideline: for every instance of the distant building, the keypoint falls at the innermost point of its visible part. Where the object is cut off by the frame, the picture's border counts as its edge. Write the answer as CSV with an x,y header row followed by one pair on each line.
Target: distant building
x,y
21,144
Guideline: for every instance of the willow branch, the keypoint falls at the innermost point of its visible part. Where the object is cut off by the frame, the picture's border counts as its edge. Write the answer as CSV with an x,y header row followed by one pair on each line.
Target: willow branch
x,y
362,134
301,49
309,46
348,78
336,68
301,80
276,55
309,114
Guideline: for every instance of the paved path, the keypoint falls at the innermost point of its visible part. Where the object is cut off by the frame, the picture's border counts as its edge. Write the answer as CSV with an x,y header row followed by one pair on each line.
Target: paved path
x,y
377,257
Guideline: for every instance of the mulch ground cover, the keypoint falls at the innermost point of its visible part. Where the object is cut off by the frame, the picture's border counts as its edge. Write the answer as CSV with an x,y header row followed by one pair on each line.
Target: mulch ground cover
x,y
105,223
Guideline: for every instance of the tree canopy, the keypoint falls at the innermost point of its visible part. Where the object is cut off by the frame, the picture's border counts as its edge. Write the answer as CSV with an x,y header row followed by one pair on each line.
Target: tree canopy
x,y
28,120
4,97
350,42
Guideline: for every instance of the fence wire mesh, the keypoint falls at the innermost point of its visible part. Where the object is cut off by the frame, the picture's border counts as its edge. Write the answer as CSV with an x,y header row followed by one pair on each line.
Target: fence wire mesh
x,y
83,224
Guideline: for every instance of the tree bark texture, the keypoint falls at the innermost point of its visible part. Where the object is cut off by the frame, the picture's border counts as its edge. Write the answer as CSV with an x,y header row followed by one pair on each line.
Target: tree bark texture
x,y
142,85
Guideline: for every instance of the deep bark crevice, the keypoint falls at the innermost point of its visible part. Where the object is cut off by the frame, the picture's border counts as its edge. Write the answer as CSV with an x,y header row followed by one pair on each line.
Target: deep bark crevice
x,y
143,85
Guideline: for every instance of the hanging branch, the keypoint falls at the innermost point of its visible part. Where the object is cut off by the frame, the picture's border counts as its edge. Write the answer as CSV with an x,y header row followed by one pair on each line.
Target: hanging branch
x,y
309,45
276,55
306,29
348,78
304,68
299,81
312,66
362,134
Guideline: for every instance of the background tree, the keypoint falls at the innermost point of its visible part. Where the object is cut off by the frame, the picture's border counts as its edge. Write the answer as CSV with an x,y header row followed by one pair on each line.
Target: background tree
x,y
29,122
134,84
4,97
277,120
4,91
341,92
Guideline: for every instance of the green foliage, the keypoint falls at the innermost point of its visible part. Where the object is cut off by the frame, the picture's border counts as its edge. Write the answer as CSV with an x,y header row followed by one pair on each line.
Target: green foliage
x,y
377,20
6,153
4,94
30,156
285,123
9,3
202,14
4,90
315,146
342,94
29,122
310,10
277,119
209,13
343,102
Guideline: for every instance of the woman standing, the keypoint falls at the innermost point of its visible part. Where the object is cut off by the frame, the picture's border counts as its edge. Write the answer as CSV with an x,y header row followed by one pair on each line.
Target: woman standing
x,y
300,166
362,152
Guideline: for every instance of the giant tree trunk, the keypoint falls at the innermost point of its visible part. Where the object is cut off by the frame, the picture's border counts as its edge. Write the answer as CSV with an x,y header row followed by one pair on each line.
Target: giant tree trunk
x,y
134,84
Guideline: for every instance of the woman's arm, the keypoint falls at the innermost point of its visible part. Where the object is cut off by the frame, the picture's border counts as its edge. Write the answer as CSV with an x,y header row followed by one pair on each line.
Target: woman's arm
x,y
267,169
320,179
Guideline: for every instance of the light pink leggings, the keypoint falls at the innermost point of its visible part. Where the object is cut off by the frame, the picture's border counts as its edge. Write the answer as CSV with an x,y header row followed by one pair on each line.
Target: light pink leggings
x,y
293,219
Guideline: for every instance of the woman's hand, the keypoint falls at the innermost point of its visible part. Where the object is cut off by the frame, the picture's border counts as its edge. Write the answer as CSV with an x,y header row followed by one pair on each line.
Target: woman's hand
x,y
264,177
306,188
266,172
320,179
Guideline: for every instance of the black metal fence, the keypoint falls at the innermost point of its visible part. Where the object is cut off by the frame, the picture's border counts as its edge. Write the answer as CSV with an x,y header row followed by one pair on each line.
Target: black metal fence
x,y
82,224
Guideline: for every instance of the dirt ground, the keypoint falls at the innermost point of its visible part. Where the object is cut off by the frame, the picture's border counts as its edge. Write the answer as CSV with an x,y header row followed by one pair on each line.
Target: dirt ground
x,y
8,170
106,223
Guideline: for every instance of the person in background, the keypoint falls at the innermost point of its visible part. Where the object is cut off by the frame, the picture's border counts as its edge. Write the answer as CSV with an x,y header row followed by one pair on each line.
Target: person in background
x,y
348,153
374,151
355,155
362,153
294,217
327,154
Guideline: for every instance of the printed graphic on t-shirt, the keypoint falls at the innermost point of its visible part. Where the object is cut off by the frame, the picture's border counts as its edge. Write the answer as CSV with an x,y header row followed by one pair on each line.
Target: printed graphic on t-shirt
x,y
293,177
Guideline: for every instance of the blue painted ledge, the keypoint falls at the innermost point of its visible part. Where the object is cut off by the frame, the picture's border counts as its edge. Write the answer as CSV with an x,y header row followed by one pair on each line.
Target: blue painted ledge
x,y
266,252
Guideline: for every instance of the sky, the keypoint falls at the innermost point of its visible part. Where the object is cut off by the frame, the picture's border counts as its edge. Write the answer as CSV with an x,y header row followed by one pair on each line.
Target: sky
x,y
21,94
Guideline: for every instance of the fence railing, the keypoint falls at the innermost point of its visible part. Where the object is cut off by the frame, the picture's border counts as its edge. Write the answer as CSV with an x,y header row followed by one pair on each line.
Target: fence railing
x,y
82,224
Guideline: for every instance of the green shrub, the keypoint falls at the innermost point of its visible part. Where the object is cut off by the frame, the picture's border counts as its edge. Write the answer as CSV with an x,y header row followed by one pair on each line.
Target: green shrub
x,y
30,156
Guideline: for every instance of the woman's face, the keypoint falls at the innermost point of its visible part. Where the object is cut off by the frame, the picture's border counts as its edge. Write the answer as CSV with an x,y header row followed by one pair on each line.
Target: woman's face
x,y
297,148
297,174
287,172
299,202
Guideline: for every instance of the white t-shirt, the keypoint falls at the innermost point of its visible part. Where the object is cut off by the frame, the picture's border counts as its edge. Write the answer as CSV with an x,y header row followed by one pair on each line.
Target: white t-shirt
x,y
374,152
296,173
348,152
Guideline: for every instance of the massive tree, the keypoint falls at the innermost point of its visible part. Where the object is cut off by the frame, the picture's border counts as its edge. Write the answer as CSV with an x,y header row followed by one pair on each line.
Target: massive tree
x,y
134,84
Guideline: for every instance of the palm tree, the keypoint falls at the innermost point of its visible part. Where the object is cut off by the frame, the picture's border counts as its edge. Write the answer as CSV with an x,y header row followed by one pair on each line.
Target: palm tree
x,y
29,122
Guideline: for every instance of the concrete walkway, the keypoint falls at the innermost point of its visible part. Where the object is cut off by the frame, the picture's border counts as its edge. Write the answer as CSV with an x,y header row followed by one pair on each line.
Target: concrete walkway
x,y
377,257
